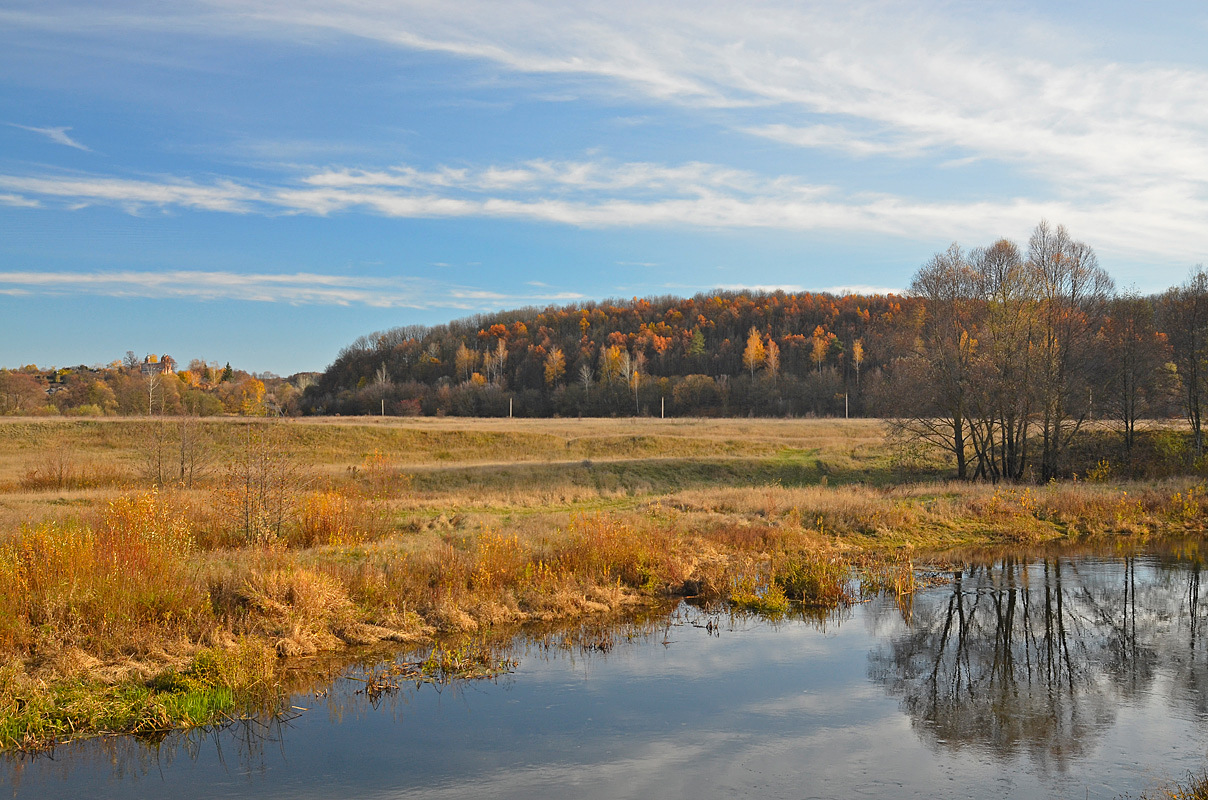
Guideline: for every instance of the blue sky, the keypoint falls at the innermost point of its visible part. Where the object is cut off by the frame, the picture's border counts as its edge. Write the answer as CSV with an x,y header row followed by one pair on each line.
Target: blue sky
x,y
262,181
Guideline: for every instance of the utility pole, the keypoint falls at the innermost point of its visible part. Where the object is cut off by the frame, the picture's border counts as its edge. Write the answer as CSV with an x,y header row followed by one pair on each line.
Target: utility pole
x,y
662,408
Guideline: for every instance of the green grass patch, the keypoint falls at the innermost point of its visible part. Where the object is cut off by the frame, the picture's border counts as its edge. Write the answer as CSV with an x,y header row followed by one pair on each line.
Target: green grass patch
x,y
217,686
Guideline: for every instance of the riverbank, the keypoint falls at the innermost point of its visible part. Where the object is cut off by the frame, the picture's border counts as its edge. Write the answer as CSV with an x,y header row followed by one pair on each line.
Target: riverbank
x,y
129,608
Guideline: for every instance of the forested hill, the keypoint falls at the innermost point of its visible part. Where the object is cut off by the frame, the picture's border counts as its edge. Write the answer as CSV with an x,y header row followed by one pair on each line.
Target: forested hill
x,y
721,353
992,356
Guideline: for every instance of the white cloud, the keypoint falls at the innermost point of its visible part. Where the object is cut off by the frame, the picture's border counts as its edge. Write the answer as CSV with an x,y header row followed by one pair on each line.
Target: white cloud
x,y
788,288
985,81
835,137
301,288
18,201
608,195
861,289
56,135
223,195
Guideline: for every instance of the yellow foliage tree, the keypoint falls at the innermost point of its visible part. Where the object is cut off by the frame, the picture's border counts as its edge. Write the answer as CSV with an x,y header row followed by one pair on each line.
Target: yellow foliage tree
x,y
771,361
822,343
610,363
465,361
251,394
755,354
555,366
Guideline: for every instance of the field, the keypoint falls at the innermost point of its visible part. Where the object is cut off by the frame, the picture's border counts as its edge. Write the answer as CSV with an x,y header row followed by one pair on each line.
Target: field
x,y
162,573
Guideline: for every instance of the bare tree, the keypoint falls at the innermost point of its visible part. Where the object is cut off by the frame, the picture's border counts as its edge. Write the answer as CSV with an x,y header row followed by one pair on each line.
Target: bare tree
x,y
196,450
585,377
261,486
1137,354
944,354
1003,398
1074,292
154,383
178,452
1184,317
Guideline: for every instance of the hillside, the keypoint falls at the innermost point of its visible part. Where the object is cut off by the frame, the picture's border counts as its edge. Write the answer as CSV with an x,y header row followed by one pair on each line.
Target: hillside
x,y
727,353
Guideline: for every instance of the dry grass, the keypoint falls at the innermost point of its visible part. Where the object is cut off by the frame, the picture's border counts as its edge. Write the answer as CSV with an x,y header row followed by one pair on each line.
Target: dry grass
x,y
1195,787
314,535
332,445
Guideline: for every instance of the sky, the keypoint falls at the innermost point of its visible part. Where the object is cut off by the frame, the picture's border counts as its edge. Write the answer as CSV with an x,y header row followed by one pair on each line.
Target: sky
x,y
263,181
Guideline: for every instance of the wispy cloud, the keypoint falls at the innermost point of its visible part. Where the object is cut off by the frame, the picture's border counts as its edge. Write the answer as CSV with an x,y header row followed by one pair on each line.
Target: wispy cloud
x,y
222,195
57,135
790,288
1117,149
609,195
862,289
836,137
882,78
922,75
301,288
17,201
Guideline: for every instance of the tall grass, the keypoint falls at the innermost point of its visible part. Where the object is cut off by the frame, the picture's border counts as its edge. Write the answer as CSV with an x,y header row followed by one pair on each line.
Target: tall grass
x,y
103,585
59,468
297,550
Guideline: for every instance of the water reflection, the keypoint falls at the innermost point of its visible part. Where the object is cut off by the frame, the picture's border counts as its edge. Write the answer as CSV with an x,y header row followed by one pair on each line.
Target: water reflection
x,y
1037,656
237,747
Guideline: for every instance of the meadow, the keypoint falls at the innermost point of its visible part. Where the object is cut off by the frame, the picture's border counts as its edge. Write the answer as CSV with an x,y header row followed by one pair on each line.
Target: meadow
x,y
164,573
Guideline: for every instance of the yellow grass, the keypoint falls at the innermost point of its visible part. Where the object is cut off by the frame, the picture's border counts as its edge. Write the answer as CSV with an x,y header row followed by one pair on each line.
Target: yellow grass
x,y
312,535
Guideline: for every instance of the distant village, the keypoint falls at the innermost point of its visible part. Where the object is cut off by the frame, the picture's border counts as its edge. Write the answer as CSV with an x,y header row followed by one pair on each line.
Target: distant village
x,y
153,385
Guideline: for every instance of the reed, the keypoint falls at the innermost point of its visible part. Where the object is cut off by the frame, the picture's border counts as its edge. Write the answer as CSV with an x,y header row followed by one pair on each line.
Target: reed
x,y
1195,787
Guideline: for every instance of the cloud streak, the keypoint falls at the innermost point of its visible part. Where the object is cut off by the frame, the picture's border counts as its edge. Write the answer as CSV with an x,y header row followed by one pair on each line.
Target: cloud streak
x,y
57,135
17,201
866,78
608,195
301,288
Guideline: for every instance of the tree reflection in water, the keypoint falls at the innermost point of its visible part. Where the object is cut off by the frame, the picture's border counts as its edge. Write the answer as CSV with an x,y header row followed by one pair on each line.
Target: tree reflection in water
x,y
1036,656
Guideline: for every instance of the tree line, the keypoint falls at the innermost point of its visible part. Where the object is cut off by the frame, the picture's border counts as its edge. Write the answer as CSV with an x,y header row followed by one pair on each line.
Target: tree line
x,y
150,386
1000,355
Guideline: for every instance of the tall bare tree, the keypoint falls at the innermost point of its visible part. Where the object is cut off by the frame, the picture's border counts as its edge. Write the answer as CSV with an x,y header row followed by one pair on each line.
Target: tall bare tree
x,y
1184,317
1004,396
1136,355
945,348
1074,291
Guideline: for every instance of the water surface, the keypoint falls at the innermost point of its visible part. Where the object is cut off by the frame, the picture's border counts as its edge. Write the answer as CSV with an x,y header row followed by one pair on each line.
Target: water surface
x,y
1021,677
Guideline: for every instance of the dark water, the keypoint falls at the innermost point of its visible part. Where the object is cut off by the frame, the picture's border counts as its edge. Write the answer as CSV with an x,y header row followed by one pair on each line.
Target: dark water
x,y
1046,677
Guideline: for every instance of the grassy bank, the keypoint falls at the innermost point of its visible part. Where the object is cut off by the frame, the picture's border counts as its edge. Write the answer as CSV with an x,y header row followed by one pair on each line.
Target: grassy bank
x,y
128,606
